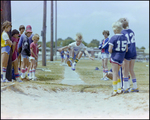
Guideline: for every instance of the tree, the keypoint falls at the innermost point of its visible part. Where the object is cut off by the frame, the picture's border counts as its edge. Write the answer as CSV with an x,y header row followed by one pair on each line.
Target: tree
x,y
142,47
96,42
67,41
84,43
48,44
137,48
91,45
59,41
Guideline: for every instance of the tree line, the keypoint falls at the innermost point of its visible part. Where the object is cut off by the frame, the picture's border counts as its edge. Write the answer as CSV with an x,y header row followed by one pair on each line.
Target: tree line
x,y
68,40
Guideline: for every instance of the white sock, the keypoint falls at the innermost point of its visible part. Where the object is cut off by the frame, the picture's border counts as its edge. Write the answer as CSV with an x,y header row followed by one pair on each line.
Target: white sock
x,y
4,73
126,83
33,73
134,83
129,83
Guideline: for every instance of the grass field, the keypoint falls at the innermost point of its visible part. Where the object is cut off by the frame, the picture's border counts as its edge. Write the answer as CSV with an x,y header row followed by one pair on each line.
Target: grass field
x,y
85,68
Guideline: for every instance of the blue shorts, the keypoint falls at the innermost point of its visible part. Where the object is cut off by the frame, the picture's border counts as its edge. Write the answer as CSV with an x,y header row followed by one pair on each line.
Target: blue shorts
x,y
74,56
62,56
132,58
6,49
67,56
116,62
24,56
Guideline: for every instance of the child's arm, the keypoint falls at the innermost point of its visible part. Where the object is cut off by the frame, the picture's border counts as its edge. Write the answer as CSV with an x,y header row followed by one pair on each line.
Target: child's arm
x,y
14,46
66,47
110,48
32,53
127,48
9,42
39,46
86,52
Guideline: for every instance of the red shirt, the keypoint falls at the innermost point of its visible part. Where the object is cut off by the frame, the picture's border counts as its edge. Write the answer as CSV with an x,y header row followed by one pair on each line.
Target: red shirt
x,y
103,50
15,40
34,48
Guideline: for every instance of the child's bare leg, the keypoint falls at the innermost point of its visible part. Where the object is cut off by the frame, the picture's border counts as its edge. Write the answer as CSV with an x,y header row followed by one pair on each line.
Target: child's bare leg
x,y
131,69
4,62
33,69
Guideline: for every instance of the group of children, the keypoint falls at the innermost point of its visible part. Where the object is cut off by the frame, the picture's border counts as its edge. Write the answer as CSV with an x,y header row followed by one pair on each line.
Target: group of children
x,y
64,56
24,49
123,54
122,48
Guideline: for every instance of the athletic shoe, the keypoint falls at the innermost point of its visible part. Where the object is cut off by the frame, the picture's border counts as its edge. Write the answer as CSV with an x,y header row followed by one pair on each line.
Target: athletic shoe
x,y
105,79
34,79
134,90
18,80
5,81
73,66
69,62
102,78
113,94
119,91
126,91
96,68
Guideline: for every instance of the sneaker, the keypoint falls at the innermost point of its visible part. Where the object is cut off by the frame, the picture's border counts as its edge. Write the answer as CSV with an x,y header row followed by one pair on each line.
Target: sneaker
x,y
102,78
5,80
18,80
113,94
69,62
96,68
105,79
34,79
134,90
126,91
119,91
73,66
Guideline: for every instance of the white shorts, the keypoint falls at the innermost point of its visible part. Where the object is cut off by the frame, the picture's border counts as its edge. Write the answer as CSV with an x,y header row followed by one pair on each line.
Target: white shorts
x,y
30,58
104,55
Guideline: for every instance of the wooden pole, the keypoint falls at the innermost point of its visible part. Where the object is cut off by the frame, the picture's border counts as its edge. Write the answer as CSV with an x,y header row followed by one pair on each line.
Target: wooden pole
x,y
44,35
51,57
55,30
6,15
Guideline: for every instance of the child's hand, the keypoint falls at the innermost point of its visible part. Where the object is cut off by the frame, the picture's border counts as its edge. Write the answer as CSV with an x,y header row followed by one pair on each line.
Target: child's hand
x,y
60,50
9,42
91,58
39,45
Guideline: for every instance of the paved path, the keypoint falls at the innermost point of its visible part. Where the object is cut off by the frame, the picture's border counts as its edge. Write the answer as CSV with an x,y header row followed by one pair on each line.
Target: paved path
x,y
71,77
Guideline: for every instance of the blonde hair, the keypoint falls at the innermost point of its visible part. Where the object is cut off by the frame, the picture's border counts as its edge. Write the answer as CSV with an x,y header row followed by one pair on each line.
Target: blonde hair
x,y
117,26
105,31
6,24
35,36
125,22
79,37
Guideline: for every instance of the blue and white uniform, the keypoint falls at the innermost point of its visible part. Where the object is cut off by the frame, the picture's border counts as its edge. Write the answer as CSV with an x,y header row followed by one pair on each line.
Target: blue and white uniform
x,y
131,54
77,49
104,48
62,54
119,42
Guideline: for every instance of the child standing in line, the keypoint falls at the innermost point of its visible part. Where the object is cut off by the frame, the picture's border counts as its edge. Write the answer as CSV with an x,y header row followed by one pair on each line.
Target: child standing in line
x,y
117,48
21,29
5,49
104,53
75,53
25,52
34,56
130,57
14,38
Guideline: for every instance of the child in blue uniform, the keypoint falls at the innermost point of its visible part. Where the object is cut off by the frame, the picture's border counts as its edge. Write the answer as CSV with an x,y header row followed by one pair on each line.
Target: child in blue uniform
x,y
130,57
104,53
117,48
62,57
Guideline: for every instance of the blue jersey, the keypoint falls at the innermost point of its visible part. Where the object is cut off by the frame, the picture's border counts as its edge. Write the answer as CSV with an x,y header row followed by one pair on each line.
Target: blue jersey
x,y
62,52
131,43
119,42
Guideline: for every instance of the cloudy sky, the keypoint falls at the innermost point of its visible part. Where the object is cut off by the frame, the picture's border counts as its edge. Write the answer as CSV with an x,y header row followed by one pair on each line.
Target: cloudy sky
x,y
87,17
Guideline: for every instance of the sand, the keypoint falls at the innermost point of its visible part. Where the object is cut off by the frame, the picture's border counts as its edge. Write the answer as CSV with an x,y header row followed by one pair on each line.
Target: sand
x,y
35,101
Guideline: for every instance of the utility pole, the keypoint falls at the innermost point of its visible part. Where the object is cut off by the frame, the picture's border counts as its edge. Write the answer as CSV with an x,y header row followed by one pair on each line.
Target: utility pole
x,y
43,33
6,15
51,58
55,30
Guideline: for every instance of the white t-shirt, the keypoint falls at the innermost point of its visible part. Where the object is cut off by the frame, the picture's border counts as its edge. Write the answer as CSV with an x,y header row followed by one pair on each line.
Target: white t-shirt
x,y
77,48
5,36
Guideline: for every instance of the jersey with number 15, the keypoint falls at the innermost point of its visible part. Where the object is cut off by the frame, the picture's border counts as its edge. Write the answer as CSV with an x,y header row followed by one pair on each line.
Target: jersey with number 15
x,y
119,43
131,43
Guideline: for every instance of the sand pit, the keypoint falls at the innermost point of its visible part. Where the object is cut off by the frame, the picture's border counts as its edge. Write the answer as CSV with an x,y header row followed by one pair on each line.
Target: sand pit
x,y
36,101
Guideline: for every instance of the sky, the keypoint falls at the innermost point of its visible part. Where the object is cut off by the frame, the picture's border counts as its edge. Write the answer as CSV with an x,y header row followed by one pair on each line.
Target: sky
x,y
87,17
